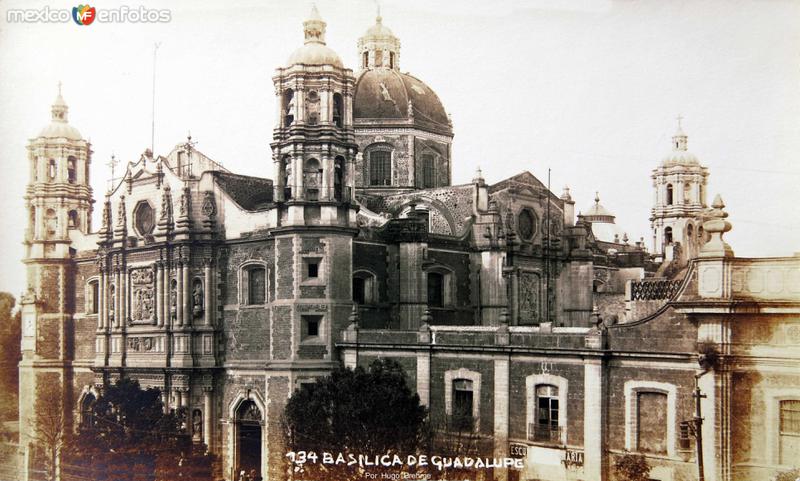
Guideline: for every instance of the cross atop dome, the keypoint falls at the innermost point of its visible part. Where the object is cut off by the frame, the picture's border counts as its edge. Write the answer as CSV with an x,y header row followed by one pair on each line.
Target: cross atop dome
x,y
59,108
680,140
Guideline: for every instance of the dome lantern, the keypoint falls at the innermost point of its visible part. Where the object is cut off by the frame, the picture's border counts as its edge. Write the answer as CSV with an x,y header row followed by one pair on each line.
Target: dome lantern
x,y
379,47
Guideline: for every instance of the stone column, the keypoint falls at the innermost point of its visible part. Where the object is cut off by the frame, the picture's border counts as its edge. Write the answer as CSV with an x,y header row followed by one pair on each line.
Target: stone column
x,y
184,399
279,176
327,177
208,293
298,192
117,297
159,299
178,397
179,295
593,419
187,295
159,293
501,392
127,307
324,106
101,288
424,378
208,414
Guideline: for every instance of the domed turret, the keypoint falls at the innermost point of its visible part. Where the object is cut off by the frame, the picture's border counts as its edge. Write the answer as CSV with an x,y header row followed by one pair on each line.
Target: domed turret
x,y
315,52
604,226
379,47
680,154
59,126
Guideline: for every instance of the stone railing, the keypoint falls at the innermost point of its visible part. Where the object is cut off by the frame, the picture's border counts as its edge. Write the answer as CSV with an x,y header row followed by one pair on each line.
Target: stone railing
x,y
655,289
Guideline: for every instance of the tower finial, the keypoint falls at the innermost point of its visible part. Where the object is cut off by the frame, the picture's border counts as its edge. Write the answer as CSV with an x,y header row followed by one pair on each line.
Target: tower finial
x,y
314,27
59,88
596,197
378,17
679,118
680,140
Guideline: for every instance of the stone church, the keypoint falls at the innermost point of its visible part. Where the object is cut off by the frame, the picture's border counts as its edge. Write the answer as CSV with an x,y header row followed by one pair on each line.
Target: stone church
x,y
560,339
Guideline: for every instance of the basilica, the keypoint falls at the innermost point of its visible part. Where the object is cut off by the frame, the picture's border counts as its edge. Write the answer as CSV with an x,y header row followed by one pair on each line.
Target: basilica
x,y
559,337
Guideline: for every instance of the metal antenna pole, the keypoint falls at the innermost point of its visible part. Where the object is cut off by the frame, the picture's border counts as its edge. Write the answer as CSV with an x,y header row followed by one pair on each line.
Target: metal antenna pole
x,y
153,110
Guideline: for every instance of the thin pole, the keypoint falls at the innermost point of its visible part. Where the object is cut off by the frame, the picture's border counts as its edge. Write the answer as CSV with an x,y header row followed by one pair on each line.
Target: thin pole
x,y
153,110
698,426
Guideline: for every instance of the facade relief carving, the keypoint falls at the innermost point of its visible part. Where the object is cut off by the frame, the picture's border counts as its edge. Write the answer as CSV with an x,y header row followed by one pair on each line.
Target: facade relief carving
x,y
142,301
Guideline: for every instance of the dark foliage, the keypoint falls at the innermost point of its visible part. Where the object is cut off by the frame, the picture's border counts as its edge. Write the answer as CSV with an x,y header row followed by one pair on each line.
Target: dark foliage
x,y
126,436
10,335
362,412
632,467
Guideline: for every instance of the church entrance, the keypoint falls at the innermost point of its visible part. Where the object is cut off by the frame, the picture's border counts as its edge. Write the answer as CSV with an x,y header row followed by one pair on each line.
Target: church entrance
x,y
249,423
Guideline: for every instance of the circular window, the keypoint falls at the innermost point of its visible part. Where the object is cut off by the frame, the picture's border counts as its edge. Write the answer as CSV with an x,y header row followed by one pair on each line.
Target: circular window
x,y
526,223
144,219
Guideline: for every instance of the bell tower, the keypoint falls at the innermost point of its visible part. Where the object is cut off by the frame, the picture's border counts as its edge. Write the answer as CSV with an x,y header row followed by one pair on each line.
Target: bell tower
x,y
679,189
313,150
58,199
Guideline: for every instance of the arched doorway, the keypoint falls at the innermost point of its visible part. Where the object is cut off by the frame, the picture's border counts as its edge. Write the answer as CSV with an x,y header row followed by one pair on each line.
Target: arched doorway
x,y
249,421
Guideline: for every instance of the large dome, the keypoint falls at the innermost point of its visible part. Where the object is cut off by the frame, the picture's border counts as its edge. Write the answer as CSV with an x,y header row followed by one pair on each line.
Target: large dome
x,y
57,130
314,53
384,94
603,222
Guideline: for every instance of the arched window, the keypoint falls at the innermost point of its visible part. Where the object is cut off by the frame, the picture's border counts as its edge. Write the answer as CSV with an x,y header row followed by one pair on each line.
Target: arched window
x,y
391,59
365,60
668,236
545,428
35,169
338,178
701,234
379,58
312,104
338,109
288,107
87,411
51,169
286,172
312,174
51,222
72,175
702,198
687,193
689,231
435,289
428,171
254,282
380,167
92,297
72,217
669,194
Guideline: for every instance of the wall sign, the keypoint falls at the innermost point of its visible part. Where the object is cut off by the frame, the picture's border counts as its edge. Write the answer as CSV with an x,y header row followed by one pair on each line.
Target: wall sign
x,y
517,450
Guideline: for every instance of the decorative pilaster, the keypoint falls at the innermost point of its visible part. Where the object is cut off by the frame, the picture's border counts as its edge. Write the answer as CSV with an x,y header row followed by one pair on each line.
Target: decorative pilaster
x,y
208,415
179,294
208,294
187,294
159,298
593,418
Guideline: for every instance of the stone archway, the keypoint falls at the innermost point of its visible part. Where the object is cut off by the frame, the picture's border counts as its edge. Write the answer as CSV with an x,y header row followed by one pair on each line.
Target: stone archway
x,y
249,422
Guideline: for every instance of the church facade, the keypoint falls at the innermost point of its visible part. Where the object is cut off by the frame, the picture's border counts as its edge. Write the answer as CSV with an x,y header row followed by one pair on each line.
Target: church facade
x,y
556,337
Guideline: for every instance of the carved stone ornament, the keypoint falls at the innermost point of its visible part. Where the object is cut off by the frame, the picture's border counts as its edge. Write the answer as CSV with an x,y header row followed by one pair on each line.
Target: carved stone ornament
x,y
209,205
121,217
142,294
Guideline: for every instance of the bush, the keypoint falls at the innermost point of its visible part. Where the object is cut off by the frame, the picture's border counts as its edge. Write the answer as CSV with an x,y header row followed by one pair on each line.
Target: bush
x,y
632,467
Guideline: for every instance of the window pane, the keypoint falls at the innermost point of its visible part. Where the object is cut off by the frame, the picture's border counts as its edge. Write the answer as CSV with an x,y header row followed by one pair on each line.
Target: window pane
x,y
790,417
256,286
380,168
428,171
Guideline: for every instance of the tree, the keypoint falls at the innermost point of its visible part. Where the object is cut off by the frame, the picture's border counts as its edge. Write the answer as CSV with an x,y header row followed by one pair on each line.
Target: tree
x,y
126,436
48,425
10,335
632,467
355,411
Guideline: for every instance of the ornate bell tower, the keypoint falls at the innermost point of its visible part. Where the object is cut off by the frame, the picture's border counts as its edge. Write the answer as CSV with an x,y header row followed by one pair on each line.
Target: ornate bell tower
x,y
679,185
315,217
59,203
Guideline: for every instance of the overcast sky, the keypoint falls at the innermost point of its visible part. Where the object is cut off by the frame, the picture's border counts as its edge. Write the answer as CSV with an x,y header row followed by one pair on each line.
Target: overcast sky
x,y
590,89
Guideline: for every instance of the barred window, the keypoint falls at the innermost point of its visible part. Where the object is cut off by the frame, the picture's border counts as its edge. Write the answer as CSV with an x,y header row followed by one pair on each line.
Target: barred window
x,y
462,404
790,417
380,167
